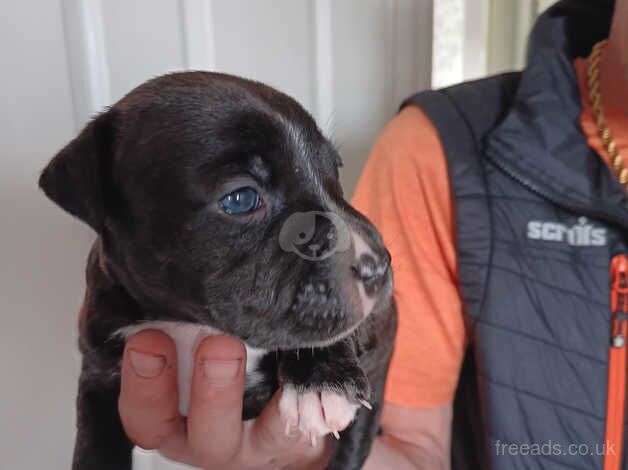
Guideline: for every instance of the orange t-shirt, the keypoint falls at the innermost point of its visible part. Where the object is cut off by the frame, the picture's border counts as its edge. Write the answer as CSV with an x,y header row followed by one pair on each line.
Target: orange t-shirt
x,y
404,190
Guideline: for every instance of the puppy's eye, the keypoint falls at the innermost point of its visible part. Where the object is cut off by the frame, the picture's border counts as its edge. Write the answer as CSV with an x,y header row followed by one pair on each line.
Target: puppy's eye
x,y
241,201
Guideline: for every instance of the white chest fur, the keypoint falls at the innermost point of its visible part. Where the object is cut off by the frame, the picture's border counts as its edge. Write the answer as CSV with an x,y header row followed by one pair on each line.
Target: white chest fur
x,y
187,337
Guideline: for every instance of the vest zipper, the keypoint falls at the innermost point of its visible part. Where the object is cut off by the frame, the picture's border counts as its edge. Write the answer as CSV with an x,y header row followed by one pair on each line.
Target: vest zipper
x,y
616,402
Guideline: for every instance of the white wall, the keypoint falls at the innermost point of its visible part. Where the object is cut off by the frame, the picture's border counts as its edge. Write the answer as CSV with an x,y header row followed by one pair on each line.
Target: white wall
x,y
348,61
41,251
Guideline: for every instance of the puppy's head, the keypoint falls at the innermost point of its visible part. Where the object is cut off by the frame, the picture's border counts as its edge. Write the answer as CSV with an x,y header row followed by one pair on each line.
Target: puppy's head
x,y
217,201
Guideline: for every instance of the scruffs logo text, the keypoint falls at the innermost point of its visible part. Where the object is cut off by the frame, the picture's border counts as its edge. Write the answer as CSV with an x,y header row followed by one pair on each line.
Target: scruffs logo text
x,y
581,234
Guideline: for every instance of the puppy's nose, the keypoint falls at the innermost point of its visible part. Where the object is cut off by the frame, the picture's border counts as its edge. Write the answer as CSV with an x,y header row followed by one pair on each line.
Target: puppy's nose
x,y
372,270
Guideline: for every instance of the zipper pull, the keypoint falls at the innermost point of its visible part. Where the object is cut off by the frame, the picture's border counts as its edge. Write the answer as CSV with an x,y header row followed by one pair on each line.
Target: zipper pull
x,y
619,298
618,341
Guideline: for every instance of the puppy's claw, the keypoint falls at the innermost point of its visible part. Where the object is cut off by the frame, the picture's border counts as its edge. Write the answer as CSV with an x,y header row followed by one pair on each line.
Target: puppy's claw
x,y
336,434
313,439
287,430
366,404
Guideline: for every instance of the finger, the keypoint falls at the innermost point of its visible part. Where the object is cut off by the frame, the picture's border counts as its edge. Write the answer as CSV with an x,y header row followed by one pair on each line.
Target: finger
x,y
215,414
148,401
276,429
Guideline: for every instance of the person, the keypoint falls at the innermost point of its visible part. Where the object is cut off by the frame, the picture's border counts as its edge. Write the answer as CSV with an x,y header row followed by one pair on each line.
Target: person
x,y
503,203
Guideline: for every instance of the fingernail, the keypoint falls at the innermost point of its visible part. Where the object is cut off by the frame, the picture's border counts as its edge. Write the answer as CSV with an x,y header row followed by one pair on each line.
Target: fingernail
x,y
146,365
221,372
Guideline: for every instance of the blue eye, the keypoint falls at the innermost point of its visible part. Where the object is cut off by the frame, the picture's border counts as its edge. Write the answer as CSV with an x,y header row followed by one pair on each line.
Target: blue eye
x,y
241,201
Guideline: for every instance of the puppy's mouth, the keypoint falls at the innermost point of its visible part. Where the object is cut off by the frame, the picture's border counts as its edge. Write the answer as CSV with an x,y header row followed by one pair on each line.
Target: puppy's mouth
x,y
321,311
334,313
330,310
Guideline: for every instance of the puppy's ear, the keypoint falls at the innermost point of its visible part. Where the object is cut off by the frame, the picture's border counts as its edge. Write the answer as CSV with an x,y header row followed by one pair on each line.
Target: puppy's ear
x,y
75,178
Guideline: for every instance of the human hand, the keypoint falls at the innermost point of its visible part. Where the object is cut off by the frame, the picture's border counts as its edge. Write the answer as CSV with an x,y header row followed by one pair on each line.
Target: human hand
x,y
213,435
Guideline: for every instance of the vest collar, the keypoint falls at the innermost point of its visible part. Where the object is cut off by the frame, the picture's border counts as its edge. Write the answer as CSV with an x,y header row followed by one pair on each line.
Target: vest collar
x,y
540,143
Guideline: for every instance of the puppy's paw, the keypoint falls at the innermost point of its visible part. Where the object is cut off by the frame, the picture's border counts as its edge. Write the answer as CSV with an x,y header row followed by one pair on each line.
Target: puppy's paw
x,y
318,412
323,389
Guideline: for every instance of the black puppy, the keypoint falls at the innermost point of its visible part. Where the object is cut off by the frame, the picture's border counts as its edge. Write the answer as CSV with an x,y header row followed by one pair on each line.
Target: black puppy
x,y
218,209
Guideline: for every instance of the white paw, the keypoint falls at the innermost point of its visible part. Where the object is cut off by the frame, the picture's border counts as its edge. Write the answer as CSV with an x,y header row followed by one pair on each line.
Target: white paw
x,y
315,414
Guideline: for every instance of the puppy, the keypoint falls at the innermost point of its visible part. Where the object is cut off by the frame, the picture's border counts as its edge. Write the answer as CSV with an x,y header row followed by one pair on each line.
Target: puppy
x,y
218,209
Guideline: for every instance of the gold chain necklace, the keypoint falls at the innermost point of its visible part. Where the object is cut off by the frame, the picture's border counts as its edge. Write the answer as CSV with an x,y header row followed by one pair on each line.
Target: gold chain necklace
x,y
593,81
